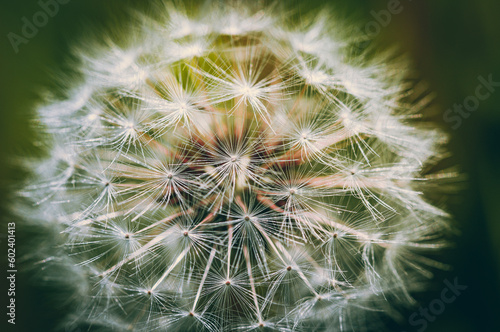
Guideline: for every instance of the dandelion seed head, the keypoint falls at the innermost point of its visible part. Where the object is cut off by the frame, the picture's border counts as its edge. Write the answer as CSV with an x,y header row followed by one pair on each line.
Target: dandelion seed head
x,y
230,169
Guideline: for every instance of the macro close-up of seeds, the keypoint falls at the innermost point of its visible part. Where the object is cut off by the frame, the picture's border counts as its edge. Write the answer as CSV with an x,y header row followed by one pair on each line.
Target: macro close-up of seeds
x,y
234,166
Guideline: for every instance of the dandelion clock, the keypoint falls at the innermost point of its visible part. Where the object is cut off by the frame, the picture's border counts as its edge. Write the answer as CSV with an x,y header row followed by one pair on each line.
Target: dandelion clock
x,y
230,167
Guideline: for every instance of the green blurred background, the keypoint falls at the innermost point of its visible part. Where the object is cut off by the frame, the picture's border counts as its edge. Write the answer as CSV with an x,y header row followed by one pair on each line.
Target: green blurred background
x,y
451,43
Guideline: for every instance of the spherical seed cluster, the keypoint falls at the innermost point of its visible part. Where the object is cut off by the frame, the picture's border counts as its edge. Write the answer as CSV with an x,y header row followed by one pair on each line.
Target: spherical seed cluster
x,y
229,170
